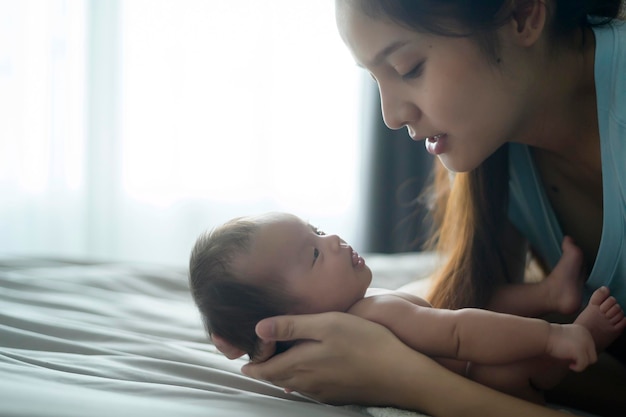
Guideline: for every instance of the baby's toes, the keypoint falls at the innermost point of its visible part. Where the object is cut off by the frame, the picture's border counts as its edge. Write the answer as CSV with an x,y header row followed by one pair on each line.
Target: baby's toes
x,y
615,315
600,296
608,304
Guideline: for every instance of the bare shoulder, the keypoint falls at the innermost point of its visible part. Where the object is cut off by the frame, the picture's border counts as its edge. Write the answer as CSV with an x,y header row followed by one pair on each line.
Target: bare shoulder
x,y
382,294
385,306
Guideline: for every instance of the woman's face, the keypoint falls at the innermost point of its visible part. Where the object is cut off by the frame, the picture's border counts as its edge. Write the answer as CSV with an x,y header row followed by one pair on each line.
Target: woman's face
x,y
444,90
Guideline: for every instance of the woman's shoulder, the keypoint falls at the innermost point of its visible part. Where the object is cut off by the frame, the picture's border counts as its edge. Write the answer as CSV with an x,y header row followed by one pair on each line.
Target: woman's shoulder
x,y
610,67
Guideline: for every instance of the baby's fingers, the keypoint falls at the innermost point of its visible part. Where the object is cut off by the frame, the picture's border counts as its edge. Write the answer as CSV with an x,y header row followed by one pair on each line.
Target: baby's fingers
x,y
586,357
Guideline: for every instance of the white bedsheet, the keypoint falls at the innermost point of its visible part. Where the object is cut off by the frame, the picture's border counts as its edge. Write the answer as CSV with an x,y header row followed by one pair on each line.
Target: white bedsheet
x,y
126,340
122,340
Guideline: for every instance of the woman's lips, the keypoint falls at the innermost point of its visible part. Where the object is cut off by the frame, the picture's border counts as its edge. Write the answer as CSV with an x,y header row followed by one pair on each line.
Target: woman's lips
x,y
435,145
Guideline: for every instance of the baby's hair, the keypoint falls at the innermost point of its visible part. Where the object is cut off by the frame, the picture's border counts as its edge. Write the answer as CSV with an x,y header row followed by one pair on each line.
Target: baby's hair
x,y
231,304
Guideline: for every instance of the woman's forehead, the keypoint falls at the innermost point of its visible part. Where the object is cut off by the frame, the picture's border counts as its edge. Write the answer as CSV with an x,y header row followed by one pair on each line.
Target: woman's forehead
x,y
371,39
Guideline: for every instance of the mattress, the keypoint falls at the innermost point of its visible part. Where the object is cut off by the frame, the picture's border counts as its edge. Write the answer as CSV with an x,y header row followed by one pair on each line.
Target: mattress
x,y
120,339
103,339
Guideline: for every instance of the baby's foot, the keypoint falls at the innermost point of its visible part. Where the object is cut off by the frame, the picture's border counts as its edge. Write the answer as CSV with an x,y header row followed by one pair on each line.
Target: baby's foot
x,y
565,282
603,317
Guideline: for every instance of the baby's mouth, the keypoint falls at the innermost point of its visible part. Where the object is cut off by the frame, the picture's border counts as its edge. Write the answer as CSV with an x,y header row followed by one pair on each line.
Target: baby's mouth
x,y
357,260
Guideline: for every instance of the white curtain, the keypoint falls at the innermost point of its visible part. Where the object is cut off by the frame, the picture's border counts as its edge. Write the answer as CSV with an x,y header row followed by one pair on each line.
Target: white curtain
x,y
128,127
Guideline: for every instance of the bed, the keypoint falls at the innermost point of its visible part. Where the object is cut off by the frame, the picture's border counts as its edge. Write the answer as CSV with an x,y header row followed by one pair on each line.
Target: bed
x,y
103,339
109,339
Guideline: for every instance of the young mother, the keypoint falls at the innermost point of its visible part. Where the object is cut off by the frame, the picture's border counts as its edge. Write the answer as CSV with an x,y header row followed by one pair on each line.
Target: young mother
x,y
525,101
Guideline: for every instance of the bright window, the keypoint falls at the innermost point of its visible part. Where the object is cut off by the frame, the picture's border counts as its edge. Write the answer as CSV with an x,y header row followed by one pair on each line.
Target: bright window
x,y
132,125
240,102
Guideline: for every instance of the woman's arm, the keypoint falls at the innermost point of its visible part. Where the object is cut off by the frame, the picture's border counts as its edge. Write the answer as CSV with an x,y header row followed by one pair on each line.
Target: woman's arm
x,y
348,360
477,335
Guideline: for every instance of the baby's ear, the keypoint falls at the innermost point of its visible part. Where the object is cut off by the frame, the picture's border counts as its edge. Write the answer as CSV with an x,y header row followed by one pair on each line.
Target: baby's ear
x,y
230,351
528,20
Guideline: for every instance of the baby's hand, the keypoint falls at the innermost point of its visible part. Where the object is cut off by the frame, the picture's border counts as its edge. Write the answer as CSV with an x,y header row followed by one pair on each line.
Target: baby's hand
x,y
573,343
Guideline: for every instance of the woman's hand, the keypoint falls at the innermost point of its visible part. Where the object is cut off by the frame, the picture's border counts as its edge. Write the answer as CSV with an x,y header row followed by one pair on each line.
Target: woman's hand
x,y
345,359
340,358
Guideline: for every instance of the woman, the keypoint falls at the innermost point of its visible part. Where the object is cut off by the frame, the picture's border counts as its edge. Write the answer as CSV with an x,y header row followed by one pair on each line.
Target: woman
x,y
520,99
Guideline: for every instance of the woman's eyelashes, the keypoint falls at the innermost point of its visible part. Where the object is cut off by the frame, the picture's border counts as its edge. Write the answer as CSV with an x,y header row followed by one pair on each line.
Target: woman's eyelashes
x,y
415,72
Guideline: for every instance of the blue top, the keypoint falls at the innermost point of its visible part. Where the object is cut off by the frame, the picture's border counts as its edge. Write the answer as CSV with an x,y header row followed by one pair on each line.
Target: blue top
x,y
529,207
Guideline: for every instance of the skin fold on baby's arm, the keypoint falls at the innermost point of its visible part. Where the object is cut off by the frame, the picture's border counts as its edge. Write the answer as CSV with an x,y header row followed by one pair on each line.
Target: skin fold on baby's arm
x,y
475,335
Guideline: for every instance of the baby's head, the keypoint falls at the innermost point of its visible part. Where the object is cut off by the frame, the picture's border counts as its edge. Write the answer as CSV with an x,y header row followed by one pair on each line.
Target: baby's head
x,y
252,268
231,303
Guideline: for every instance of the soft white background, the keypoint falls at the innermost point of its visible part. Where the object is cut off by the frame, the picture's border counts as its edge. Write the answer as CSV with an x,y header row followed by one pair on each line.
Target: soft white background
x,y
128,127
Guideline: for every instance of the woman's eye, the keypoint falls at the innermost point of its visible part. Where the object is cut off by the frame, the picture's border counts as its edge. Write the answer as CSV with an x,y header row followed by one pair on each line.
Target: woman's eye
x,y
415,72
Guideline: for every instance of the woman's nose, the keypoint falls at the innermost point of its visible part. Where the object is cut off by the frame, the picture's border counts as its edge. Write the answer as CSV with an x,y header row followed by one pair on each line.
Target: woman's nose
x,y
398,111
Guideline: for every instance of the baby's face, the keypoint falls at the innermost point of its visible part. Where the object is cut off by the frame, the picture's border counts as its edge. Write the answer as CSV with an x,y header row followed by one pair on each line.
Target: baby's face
x,y
321,271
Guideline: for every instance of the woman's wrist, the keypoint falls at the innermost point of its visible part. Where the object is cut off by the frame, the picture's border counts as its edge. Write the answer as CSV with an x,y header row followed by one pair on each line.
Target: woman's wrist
x,y
417,382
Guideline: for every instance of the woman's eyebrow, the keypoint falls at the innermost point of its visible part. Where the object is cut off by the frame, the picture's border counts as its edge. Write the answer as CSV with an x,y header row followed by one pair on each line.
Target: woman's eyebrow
x,y
385,52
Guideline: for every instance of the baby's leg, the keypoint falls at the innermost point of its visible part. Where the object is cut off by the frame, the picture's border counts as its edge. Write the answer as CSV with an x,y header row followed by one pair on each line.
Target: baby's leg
x,y
560,292
564,285
604,318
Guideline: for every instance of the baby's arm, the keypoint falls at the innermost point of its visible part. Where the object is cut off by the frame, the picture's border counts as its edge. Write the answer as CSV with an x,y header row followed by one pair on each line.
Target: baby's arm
x,y
479,336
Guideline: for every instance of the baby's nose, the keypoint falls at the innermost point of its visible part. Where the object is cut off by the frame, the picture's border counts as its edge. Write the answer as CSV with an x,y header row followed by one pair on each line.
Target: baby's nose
x,y
340,242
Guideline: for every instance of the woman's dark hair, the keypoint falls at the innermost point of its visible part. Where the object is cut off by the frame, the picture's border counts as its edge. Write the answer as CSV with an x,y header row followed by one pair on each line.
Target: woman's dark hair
x,y
231,305
470,209
481,19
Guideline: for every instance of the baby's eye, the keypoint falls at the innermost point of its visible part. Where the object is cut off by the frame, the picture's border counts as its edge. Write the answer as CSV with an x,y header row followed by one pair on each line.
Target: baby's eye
x,y
316,254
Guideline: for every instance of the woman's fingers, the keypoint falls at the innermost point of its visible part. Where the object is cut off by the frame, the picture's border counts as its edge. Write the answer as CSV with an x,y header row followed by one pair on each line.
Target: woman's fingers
x,y
285,328
280,369
325,363
308,328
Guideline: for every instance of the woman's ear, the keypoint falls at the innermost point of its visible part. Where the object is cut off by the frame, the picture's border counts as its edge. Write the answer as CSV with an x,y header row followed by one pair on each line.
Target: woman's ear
x,y
528,20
